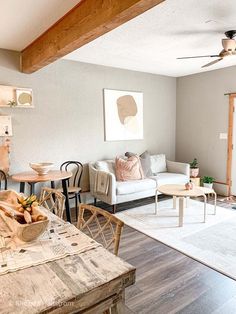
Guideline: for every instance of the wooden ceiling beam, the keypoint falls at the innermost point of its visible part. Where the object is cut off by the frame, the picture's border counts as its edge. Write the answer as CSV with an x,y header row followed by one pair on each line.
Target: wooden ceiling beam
x,y
88,20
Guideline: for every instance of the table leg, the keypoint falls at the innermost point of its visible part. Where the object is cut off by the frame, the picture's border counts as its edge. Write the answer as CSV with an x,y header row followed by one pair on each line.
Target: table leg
x,y
119,307
22,187
215,196
205,200
67,204
156,202
186,201
53,195
181,211
174,202
32,187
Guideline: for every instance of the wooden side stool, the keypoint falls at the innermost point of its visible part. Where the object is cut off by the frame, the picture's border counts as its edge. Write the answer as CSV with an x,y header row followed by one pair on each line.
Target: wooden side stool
x,y
208,191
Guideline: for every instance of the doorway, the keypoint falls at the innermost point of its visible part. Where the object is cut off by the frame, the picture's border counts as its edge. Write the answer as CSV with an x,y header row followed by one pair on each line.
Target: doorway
x,y
233,147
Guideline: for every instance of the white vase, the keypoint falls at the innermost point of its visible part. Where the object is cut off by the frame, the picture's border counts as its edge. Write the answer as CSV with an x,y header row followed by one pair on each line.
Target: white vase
x,y
208,185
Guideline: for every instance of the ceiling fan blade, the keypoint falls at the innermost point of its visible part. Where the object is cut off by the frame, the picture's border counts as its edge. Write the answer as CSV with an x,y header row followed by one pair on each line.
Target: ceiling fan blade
x,y
211,63
209,56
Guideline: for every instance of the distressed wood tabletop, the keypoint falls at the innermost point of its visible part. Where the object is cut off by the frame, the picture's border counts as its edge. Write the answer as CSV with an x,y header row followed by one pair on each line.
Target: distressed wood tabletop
x,y
88,282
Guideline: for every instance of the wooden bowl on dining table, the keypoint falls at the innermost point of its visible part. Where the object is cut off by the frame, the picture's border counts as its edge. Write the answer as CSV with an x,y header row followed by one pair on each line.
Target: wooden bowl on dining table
x,y
26,232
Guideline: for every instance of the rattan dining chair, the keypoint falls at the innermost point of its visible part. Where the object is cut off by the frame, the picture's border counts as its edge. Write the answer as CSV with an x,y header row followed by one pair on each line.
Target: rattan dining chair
x,y
3,180
74,188
100,226
52,200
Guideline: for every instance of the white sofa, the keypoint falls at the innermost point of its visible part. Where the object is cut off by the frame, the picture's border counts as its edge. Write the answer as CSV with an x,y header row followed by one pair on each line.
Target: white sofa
x,y
124,191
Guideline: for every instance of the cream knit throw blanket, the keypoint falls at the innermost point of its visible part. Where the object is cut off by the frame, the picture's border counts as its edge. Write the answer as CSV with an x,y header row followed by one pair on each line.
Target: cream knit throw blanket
x,y
101,183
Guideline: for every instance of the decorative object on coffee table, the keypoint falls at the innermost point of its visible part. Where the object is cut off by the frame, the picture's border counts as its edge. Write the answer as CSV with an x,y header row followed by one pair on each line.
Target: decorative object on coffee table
x,y
194,169
189,185
208,182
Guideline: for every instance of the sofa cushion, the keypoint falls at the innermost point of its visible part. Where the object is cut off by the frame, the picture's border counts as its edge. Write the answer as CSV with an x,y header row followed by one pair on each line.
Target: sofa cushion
x,y
128,169
106,166
158,163
170,178
145,162
128,187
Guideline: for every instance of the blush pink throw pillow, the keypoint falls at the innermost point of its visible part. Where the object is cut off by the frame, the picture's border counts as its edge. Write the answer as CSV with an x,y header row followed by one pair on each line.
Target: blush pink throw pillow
x,y
129,169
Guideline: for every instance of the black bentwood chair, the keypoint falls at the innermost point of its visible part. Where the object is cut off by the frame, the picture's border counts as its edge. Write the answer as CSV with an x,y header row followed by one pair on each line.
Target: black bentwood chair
x,y
74,188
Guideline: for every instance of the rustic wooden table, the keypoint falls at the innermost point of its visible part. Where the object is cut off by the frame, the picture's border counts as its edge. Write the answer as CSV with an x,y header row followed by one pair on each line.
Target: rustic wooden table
x,y
31,177
88,282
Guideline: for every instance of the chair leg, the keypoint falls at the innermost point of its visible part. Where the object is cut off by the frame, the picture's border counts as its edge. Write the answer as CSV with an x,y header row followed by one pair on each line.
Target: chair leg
x,y
95,201
114,208
76,206
79,196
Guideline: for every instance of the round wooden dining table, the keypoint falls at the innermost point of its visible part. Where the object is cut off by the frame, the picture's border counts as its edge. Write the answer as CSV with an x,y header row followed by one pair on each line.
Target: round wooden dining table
x,y
32,178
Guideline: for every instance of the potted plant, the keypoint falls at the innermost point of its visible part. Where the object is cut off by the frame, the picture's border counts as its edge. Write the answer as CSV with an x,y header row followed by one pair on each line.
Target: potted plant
x,y
208,182
194,170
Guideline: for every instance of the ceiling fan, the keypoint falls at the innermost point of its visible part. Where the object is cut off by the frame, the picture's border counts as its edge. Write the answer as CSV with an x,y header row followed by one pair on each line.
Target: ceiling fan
x,y
229,45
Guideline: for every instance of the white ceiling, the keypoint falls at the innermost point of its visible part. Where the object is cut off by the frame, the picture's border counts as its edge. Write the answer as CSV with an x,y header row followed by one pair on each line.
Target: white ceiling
x,y
152,41
149,43
22,21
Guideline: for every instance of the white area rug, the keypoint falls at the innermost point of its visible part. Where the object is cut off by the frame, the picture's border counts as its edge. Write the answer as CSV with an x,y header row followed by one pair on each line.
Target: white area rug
x,y
212,243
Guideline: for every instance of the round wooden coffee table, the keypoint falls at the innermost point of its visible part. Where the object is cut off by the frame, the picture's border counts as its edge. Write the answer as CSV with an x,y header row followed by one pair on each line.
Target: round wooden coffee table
x,y
179,191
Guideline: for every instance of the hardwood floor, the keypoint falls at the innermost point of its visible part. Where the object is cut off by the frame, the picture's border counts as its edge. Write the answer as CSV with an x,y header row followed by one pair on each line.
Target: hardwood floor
x,y
168,281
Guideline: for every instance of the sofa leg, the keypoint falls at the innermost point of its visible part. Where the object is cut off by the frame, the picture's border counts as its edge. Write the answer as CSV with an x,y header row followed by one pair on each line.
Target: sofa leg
x,y
114,208
95,201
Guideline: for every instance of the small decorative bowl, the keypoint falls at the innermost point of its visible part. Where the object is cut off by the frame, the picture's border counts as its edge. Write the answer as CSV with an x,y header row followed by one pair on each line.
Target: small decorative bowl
x,y
41,168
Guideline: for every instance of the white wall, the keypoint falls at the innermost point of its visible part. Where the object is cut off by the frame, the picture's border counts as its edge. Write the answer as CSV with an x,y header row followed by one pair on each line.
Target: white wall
x,y
67,121
202,114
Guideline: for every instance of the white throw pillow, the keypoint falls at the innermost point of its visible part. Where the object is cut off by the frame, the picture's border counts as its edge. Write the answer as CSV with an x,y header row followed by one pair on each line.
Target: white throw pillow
x,y
158,164
106,165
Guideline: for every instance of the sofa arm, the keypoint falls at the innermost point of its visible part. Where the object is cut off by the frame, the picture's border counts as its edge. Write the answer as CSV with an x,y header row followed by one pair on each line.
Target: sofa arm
x,y
110,198
178,167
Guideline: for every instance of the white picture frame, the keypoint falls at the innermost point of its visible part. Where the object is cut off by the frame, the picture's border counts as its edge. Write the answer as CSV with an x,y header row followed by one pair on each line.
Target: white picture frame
x,y
24,98
123,111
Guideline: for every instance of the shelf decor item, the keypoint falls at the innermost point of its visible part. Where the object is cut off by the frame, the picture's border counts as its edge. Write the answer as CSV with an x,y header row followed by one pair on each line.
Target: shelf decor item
x,y
11,103
16,97
24,97
208,182
194,169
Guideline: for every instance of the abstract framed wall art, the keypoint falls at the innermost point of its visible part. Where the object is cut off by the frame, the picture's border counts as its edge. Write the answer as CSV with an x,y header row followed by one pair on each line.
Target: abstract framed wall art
x,y
123,115
24,98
